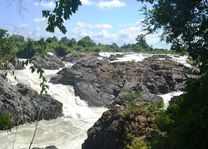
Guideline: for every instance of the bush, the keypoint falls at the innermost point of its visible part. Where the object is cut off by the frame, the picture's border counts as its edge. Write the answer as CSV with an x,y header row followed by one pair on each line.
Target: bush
x,y
155,106
6,122
61,50
138,143
186,121
130,97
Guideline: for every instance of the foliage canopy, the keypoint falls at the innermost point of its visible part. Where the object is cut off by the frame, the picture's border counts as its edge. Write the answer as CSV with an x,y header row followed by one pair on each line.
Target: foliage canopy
x,y
184,24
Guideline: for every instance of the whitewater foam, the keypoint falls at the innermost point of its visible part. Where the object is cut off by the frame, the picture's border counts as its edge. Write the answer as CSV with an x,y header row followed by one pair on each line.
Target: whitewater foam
x,y
70,130
66,132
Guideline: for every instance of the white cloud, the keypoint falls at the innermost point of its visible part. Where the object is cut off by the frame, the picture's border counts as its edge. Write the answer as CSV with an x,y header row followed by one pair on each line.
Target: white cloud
x,y
40,31
80,26
39,20
48,4
125,35
129,34
111,3
103,26
99,33
104,34
23,26
86,2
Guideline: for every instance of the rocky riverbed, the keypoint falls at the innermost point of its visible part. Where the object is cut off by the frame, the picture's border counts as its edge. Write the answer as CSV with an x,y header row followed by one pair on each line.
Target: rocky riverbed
x,y
102,83
95,80
24,104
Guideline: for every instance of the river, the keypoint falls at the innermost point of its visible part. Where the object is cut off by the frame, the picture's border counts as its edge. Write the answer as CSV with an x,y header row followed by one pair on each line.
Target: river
x,y
69,131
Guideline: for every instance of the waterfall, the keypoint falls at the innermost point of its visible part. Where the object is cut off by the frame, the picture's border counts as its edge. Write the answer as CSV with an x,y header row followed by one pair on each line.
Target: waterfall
x,y
66,132
69,131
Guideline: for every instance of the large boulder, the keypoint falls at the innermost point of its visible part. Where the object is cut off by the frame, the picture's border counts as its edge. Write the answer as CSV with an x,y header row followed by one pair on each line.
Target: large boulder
x,y
114,57
73,58
16,64
24,104
115,127
48,61
100,82
48,147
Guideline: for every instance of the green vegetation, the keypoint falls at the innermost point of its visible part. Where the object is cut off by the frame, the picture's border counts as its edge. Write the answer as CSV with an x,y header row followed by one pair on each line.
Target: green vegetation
x,y
138,143
184,25
134,102
62,11
186,121
12,46
6,122
130,99
7,52
141,132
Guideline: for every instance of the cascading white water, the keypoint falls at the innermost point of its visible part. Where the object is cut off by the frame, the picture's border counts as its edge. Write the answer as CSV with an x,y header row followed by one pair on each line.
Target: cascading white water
x,y
137,57
167,97
69,131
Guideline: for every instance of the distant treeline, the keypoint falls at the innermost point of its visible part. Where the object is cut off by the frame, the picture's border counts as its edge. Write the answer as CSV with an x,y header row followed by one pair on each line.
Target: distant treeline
x,y
19,46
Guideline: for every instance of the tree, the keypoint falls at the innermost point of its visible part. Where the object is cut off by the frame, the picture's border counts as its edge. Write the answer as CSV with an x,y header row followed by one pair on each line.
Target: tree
x,y
86,42
184,24
62,11
7,52
61,50
64,40
28,51
51,39
72,42
3,33
142,41
185,121
41,46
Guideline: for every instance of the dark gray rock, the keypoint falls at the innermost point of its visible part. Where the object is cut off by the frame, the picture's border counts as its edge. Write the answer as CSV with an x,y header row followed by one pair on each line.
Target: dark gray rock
x,y
73,58
100,82
112,57
48,61
106,133
114,128
16,64
25,104
174,99
119,55
48,147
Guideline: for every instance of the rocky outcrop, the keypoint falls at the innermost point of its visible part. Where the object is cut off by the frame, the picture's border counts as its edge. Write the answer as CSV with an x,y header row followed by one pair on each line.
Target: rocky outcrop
x,y
48,61
116,127
73,58
114,57
174,99
102,83
16,64
24,104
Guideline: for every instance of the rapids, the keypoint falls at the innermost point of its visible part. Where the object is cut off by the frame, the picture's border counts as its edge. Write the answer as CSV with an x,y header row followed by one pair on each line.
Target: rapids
x,y
69,131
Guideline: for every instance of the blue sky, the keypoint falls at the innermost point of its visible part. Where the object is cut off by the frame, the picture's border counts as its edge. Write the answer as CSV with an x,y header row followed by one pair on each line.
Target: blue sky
x,y
105,21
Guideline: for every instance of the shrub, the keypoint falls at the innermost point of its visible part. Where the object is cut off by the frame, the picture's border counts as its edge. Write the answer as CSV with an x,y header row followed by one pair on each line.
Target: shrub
x,y
185,122
138,143
130,97
6,122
